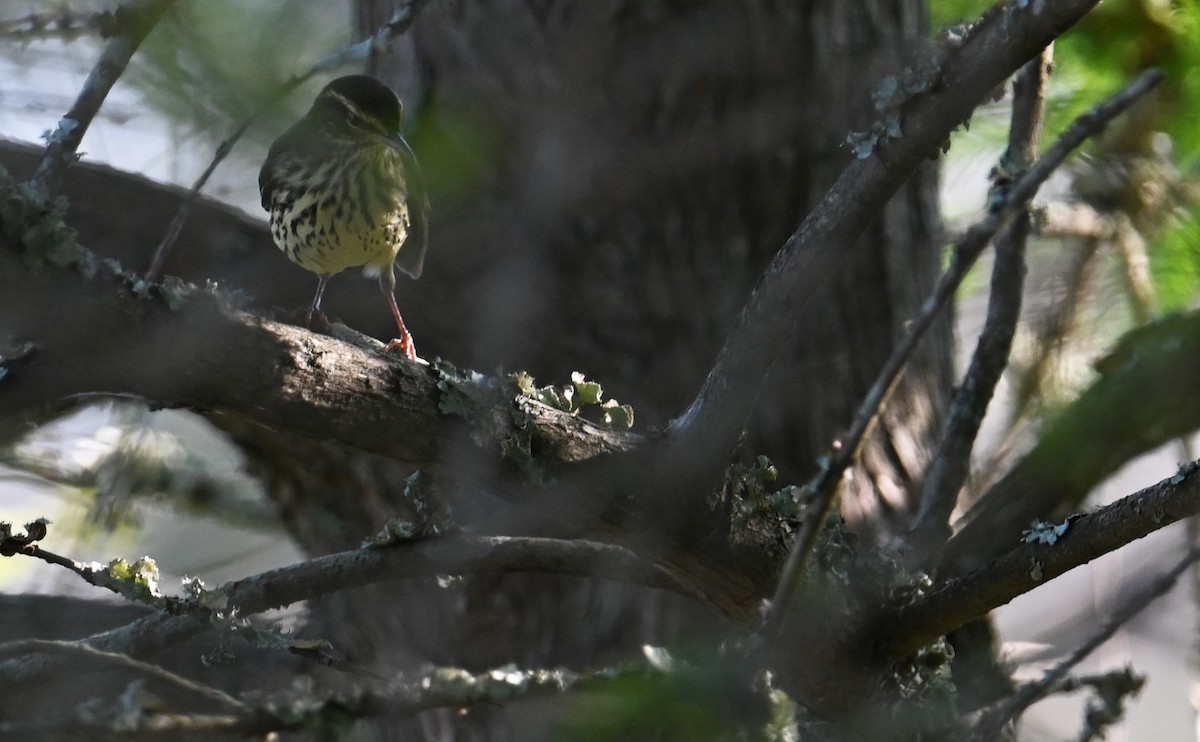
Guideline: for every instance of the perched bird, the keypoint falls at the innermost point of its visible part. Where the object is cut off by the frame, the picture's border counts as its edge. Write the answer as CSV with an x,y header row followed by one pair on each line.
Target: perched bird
x,y
344,190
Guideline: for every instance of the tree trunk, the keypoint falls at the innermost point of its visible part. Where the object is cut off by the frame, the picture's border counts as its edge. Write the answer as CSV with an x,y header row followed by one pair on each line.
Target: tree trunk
x,y
609,179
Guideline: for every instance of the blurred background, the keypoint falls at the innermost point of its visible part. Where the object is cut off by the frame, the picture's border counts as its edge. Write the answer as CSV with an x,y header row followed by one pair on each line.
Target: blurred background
x,y
608,182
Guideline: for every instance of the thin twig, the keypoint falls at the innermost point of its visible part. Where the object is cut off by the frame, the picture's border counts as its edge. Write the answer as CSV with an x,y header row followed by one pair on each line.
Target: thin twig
x,y
422,558
80,649
438,687
951,463
1005,205
399,23
1032,692
134,22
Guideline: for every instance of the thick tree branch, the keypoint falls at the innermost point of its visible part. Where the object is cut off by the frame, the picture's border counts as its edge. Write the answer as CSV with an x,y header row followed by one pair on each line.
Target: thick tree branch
x,y
1004,39
901,630
93,334
134,22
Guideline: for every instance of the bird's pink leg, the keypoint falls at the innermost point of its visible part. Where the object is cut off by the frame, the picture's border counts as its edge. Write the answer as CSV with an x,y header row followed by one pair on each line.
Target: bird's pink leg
x,y
404,341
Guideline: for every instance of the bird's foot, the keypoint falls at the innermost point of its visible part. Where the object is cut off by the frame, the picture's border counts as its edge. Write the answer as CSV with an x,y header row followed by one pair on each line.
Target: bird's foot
x,y
404,344
317,321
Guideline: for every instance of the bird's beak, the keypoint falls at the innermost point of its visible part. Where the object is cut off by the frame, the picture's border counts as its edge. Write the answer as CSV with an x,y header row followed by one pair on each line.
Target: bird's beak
x,y
401,146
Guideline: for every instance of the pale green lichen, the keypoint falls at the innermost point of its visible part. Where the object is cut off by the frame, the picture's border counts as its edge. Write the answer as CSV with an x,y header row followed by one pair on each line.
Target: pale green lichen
x,y
1045,533
582,398
487,404
137,581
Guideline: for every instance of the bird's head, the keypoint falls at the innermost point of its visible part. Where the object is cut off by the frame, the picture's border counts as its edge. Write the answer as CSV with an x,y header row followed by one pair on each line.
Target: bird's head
x,y
363,103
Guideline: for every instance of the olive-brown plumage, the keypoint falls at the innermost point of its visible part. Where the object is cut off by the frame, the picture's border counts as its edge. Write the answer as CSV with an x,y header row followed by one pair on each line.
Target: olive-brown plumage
x,y
344,191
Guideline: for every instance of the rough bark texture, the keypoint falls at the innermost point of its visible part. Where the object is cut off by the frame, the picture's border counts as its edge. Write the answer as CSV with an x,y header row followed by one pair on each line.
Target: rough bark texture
x,y
648,160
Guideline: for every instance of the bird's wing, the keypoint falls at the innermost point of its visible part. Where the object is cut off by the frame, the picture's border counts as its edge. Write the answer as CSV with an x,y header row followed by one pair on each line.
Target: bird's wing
x,y
411,258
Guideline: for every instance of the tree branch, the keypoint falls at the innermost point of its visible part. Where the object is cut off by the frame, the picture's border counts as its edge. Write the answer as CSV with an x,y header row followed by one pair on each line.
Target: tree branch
x,y
134,22
1142,399
81,651
96,330
1004,39
900,630
1007,202
441,687
421,558
952,461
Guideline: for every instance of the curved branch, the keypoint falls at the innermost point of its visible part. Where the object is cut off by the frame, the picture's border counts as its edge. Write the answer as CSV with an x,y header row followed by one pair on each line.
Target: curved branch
x,y
448,555
426,558
84,652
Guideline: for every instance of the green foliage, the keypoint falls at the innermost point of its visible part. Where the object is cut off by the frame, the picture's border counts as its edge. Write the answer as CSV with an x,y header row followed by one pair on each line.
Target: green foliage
x,y
1175,264
943,13
211,63
1117,41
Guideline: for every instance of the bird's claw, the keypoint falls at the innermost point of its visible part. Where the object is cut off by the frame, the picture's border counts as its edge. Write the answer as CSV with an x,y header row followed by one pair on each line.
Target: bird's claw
x,y
404,344
317,321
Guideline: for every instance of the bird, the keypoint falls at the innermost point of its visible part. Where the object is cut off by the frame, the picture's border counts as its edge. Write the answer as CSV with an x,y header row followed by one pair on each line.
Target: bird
x,y
344,190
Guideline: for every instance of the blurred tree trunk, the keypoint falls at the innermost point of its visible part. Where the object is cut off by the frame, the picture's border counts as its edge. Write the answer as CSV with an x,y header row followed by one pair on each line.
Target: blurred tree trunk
x,y
630,168
652,157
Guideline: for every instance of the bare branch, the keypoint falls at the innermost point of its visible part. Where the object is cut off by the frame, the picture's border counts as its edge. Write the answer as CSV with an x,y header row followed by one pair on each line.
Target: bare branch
x,y
441,687
81,651
900,630
134,22
952,461
1007,203
1141,400
1004,39
422,558
447,555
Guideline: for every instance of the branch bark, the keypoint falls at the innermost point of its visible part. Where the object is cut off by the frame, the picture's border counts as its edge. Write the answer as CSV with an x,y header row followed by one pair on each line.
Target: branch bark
x,y
1121,415
95,335
899,631
950,466
134,22
1004,39
418,559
